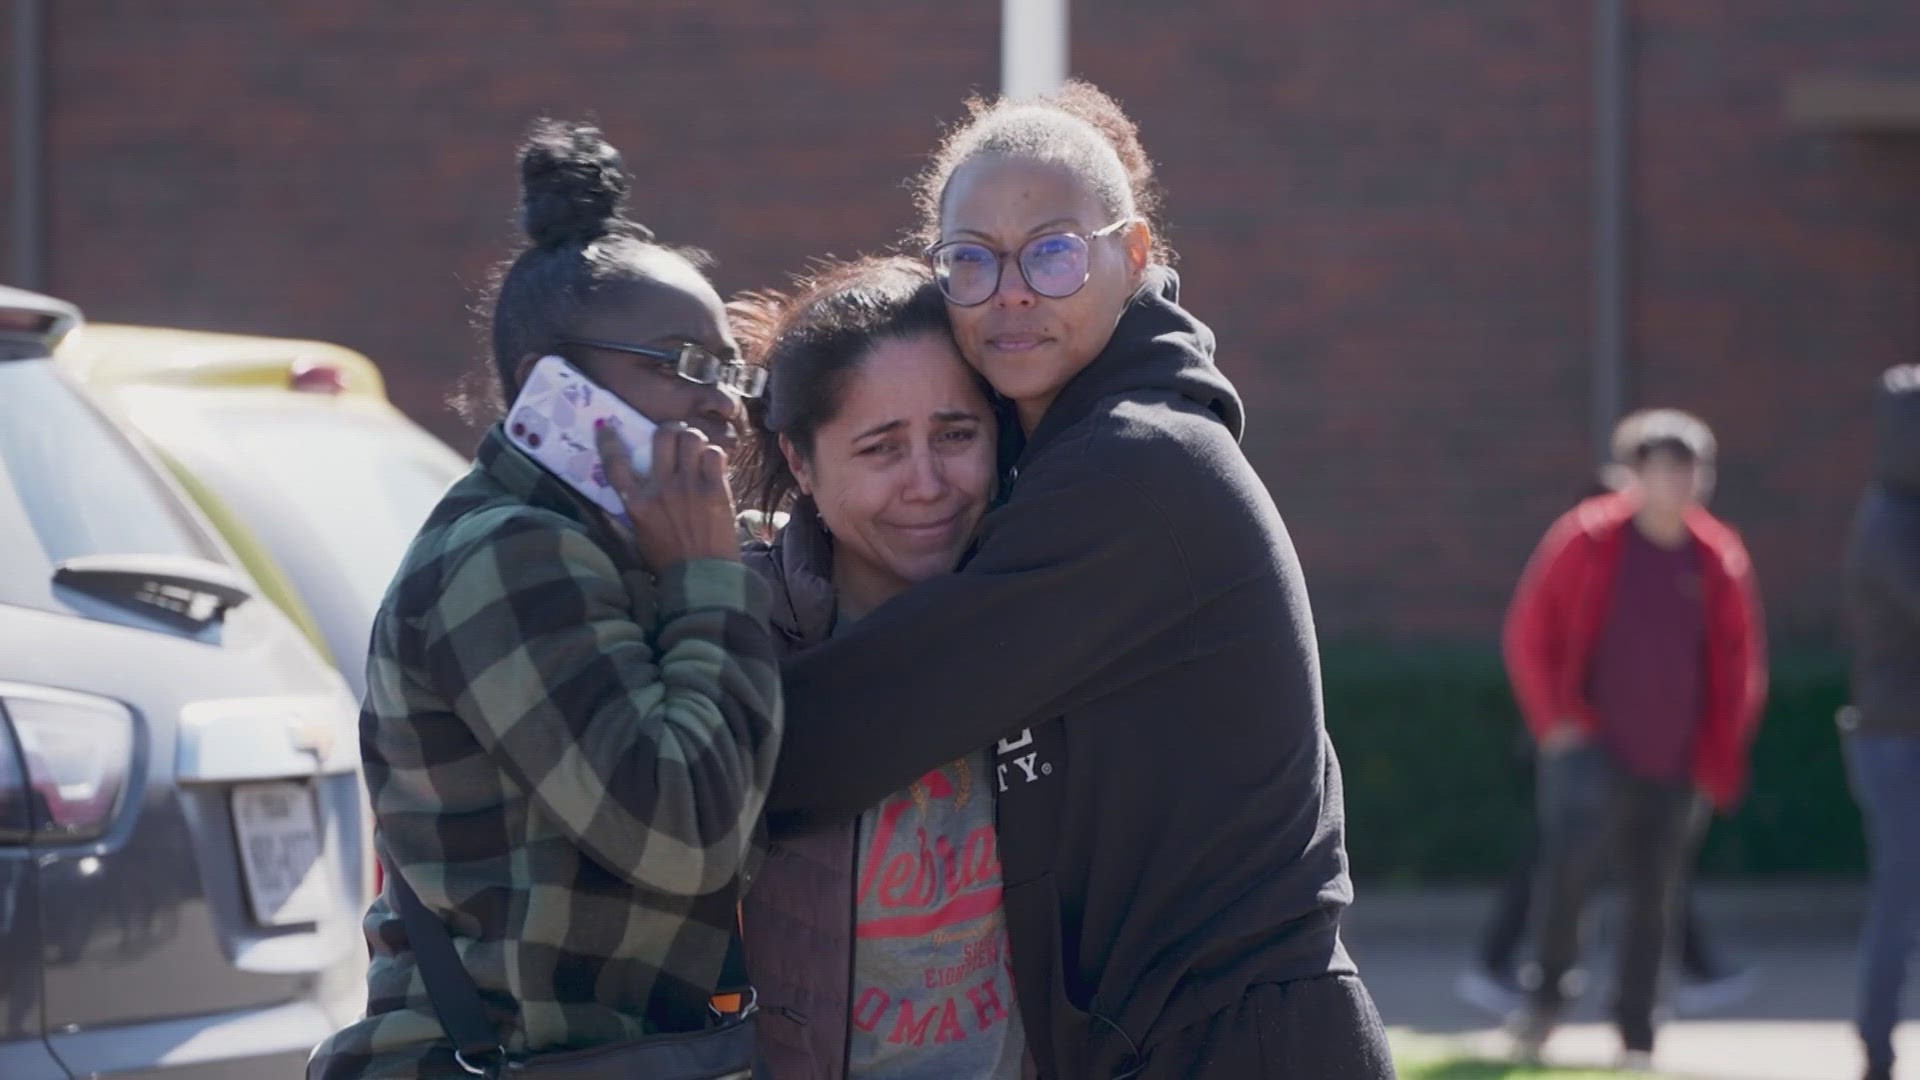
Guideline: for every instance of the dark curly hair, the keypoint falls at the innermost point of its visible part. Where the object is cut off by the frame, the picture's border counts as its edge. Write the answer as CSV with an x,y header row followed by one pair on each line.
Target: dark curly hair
x,y
812,339
573,193
1078,125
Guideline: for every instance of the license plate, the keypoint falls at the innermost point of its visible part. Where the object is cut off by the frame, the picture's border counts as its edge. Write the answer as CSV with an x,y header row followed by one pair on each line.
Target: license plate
x,y
281,852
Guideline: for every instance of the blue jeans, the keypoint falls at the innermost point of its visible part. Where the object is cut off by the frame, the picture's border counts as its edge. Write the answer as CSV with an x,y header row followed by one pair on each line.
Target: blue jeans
x,y
1885,770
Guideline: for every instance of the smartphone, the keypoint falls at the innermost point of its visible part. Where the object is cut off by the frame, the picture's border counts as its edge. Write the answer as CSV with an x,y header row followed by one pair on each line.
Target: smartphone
x,y
553,421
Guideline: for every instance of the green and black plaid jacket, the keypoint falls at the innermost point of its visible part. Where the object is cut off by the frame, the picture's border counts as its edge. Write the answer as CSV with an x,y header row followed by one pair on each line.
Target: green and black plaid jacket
x,y
567,756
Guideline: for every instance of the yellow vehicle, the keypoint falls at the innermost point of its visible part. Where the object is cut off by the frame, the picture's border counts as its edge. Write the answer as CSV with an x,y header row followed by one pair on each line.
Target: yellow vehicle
x,y
293,451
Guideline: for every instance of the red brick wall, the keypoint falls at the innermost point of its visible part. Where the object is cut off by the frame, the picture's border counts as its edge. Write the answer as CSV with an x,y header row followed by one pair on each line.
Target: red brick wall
x,y
346,169
1382,206
6,154
1776,273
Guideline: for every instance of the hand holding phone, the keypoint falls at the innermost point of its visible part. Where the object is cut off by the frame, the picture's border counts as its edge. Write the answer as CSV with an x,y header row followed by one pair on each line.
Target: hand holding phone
x,y
683,510
669,484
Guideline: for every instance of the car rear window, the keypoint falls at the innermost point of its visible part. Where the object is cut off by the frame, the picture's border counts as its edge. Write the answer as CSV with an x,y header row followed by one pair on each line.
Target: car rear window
x,y
82,488
365,485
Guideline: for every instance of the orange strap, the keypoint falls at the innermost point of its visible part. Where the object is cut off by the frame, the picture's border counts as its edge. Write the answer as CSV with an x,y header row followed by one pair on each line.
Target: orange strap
x,y
729,1004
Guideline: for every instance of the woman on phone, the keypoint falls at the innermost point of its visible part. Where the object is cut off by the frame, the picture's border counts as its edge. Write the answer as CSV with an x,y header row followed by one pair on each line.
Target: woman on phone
x,y
872,962
571,724
1131,637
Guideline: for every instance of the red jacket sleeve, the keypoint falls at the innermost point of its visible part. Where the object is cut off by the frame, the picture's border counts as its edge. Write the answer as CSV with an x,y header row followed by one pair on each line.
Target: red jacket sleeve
x,y
1749,635
1537,641
1740,669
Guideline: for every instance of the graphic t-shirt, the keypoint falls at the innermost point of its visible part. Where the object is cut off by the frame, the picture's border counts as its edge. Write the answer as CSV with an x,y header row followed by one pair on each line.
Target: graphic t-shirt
x,y
932,977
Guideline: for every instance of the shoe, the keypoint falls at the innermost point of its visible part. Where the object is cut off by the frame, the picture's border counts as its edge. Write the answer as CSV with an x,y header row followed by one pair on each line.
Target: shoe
x,y
1714,993
1530,1029
1640,1061
1497,992
1879,1072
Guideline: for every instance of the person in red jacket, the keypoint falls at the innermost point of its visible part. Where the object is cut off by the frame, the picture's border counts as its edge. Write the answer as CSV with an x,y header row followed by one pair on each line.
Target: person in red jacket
x,y
1636,650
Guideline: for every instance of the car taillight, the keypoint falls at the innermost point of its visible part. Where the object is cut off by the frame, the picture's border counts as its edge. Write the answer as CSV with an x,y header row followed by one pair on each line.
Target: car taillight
x,y
314,377
379,876
77,757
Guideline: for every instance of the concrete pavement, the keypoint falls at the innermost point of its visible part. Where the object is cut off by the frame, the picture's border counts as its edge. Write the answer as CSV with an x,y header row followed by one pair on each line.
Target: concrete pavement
x,y
1797,1025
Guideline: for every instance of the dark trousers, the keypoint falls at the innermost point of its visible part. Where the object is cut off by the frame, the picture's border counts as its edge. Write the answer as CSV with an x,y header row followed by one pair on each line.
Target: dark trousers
x,y
1323,1029
1594,817
1513,906
1885,770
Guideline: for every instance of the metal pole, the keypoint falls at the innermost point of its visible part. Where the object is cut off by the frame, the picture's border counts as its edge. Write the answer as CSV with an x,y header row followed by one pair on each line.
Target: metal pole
x,y
28,221
1033,46
1610,115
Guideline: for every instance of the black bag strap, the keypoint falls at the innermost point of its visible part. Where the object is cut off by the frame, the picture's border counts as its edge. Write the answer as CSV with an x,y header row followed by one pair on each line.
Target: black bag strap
x,y
456,998
733,970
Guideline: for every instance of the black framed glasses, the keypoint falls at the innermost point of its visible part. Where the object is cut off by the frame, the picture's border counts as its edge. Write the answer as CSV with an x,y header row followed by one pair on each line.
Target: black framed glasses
x,y
1055,265
692,363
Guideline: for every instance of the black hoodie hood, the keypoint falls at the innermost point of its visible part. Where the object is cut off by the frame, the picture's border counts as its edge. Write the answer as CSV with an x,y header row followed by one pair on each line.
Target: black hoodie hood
x,y
1157,346
1896,414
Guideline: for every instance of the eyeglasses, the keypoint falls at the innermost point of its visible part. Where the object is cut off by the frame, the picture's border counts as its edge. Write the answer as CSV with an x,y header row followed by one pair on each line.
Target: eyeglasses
x,y
1055,265
692,363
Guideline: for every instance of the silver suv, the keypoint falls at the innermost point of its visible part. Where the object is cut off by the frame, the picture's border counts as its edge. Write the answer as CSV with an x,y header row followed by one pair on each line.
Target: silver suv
x,y
184,841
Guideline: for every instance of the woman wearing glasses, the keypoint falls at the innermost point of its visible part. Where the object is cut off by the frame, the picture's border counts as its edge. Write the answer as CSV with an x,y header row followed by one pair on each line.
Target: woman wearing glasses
x,y
1130,638
569,728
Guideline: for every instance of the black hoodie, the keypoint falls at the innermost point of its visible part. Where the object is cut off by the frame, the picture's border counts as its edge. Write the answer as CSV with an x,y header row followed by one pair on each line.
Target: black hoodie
x,y
1883,567
1132,635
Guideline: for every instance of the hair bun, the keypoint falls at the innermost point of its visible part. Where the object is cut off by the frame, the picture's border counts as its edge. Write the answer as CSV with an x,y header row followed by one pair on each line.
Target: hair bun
x,y
572,185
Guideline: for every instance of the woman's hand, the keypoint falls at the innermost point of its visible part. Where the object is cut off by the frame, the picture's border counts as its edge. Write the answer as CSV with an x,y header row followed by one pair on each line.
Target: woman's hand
x,y
683,509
